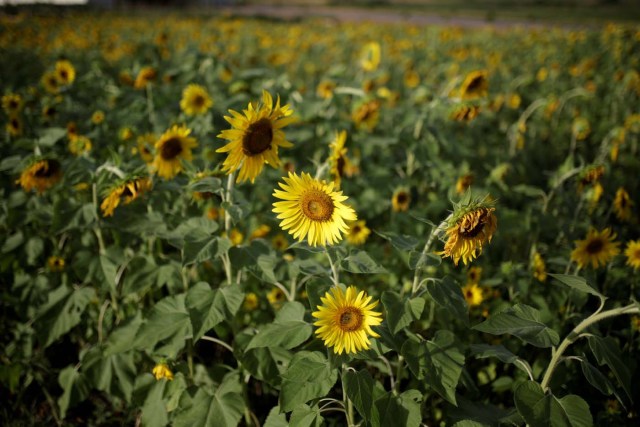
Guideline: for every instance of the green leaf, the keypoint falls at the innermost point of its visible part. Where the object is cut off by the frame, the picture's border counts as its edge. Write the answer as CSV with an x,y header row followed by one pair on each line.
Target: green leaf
x,y
34,248
62,312
447,294
114,374
316,290
275,418
222,409
308,376
469,423
596,378
606,352
418,261
288,330
266,363
168,319
208,184
208,307
578,283
482,351
361,263
362,391
154,410
401,242
540,409
12,242
50,136
444,363
400,313
121,338
522,321
393,411
75,389
204,249
305,416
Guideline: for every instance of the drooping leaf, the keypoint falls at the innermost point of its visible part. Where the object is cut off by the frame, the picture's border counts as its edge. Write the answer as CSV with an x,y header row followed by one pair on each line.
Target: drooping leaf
x,y
362,391
578,283
207,307
75,389
607,352
308,376
447,294
596,378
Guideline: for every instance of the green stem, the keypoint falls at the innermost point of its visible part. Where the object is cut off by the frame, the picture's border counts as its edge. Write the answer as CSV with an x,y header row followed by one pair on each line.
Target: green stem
x,y
575,334
416,277
334,270
150,107
228,270
398,374
347,402
190,357
96,228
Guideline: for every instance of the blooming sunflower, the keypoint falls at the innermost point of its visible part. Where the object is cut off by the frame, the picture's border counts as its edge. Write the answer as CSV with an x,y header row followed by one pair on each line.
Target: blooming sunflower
x,y
475,85
255,137
41,175
312,209
633,254
474,274
473,294
366,115
345,320
97,117
80,144
597,249
622,205
358,233
467,233
325,89
338,161
400,200
50,82
195,100
12,103
161,370
145,76
280,242
144,143
55,264
173,146
539,267
251,302
64,72
261,232
370,56
126,191
15,126
276,297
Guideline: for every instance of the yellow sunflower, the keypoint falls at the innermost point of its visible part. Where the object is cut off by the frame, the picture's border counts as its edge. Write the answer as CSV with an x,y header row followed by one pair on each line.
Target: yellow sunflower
x,y
325,89
464,182
126,191
338,161
597,249
366,115
580,128
312,209
145,76
78,145
97,117
473,294
173,146
251,302
633,254
400,200
55,264
358,233
345,320
144,143
468,233
50,82
539,267
65,73
261,232
474,274
15,126
370,56
12,103
276,297
195,100
161,370
622,205
255,137
280,242
475,85
41,175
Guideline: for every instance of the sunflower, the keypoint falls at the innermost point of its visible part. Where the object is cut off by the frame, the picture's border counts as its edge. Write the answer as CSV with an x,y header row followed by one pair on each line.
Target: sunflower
x,y
41,175
161,370
15,126
173,146
580,128
144,143
590,175
464,182
597,249
345,320
400,200
474,274
338,161
50,82
261,232
366,115
473,294
358,233
475,85
97,117
276,297
622,205
468,233
195,100
235,236
370,56
145,76
633,254
464,112
325,89
280,242
65,73
255,137
78,145
411,78
539,267
72,130
55,264
251,302
12,103
312,209
126,191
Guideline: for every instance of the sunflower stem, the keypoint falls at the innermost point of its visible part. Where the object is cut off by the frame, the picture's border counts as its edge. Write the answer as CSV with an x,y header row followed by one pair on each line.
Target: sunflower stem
x,y
575,334
334,271
96,229
150,107
227,226
347,402
415,287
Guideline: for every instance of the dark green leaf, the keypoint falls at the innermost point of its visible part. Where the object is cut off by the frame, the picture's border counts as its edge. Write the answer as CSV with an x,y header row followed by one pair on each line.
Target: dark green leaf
x,y
540,409
578,283
308,376
266,363
482,351
168,319
62,312
393,411
12,242
288,330
360,390
401,242
447,294
596,378
208,248
606,352
154,411
208,184
444,363
208,307
75,389
305,416
222,409
360,262
400,313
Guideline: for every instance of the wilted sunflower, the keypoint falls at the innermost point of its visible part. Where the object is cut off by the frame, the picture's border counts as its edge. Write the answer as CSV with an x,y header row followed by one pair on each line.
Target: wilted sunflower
x,y
65,73
400,200
255,137
41,175
370,56
195,100
80,144
338,161
145,76
173,146
312,209
590,175
597,249
12,103
539,268
473,294
345,320
633,254
464,112
126,191
15,126
161,370
622,205
358,233
50,82
468,231
475,85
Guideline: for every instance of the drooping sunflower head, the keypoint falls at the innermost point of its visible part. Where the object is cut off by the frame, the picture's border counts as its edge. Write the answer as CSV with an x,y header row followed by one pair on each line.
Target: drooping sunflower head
x,y
632,253
473,294
345,320
195,100
597,249
146,76
475,85
255,137
172,148
312,210
358,233
65,73
41,175
622,205
161,370
12,103
125,191
400,200
470,226
464,112
338,161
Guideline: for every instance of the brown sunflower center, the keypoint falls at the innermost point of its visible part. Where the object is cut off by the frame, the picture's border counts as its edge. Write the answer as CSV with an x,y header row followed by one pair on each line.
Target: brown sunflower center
x,y
469,294
402,198
171,148
317,205
48,169
340,164
13,104
475,84
198,101
127,192
594,246
356,229
257,138
15,124
636,255
64,74
351,319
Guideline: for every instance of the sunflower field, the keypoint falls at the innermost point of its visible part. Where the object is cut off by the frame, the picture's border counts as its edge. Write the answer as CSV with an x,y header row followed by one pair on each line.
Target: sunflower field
x,y
221,221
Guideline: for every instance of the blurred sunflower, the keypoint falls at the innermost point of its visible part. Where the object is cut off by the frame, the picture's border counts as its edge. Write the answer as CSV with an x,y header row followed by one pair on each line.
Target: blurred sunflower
x,y
173,146
312,209
280,242
161,370
370,56
473,294
80,144
144,143
72,130
50,82
358,233
145,76
622,205
464,182
126,191
475,85
195,100
474,274
539,267
12,103
325,89
41,175
15,126
55,264
597,249
580,128
261,232
338,161
464,112
400,200
97,117
255,137
65,73
633,254
251,302
468,231
345,320
366,115
276,297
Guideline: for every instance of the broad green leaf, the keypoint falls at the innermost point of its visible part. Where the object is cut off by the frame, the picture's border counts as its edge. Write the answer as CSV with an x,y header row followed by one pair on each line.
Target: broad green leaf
x,y
522,321
288,329
193,229
393,411
400,313
315,290
308,376
75,389
12,242
447,294
113,374
49,136
305,416
33,248
606,352
540,409
444,363
401,242
121,338
266,363
154,410
578,283
362,391
204,249
208,184
275,418
469,423
62,312
168,319
596,378
140,274
222,409
361,263
482,351
570,411
208,307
